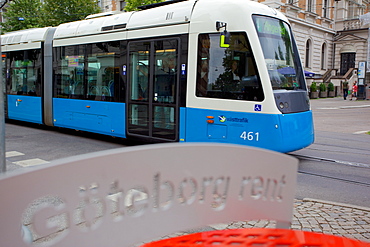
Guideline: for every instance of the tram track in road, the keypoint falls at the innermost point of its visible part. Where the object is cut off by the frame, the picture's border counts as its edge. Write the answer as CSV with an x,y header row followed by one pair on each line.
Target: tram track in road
x,y
335,177
320,159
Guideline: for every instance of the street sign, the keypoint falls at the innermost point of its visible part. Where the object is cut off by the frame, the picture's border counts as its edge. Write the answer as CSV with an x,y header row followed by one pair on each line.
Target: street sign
x,y
361,72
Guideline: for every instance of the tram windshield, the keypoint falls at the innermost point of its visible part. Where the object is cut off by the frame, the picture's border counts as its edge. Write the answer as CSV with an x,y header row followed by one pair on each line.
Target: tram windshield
x,y
280,52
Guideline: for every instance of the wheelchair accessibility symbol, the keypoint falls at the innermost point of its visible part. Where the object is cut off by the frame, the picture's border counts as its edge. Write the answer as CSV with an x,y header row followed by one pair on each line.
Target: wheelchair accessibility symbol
x,y
257,107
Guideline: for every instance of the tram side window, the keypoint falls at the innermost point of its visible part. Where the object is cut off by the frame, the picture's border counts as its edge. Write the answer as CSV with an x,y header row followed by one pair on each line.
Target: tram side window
x,y
87,71
227,72
69,71
140,72
24,72
102,73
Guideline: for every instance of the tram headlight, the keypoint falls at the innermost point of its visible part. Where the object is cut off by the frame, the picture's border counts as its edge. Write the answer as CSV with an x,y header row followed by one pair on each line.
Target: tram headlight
x,y
281,105
286,105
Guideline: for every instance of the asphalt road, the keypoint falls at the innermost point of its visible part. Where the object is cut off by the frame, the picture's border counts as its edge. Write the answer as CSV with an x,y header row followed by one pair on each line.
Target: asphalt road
x,y
335,168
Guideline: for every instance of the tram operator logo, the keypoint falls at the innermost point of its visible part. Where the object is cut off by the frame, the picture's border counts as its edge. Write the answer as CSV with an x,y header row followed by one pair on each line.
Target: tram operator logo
x,y
222,119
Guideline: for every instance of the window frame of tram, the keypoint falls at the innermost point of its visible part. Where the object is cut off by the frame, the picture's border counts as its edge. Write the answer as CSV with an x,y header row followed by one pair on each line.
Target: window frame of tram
x,y
24,72
89,72
153,88
235,76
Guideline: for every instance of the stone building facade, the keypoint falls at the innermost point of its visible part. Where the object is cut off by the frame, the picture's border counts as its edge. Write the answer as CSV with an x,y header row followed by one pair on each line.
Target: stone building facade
x,y
330,36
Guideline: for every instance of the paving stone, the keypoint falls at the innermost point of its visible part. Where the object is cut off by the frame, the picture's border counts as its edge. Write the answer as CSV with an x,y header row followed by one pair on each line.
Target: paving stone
x,y
325,217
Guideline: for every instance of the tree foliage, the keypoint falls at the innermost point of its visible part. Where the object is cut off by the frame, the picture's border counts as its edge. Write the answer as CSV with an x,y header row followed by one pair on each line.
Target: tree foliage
x,y
132,5
22,14
60,11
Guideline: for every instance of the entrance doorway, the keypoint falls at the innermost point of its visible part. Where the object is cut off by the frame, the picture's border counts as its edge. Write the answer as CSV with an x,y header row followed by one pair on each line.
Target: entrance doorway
x,y
347,61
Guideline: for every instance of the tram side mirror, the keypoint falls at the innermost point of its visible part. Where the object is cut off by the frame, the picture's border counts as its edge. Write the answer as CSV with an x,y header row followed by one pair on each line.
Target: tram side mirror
x,y
225,39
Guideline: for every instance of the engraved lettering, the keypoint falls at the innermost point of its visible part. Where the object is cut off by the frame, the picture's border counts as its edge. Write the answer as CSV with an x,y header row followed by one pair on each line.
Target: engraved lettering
x,y
205,183
282,184
257,187
89,212
269,193
164,187
220,197
47,218
245,182
136,201
188,184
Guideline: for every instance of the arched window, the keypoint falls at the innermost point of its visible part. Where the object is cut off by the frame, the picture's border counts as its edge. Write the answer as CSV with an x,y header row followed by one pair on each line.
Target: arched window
x,y
308,54
323,56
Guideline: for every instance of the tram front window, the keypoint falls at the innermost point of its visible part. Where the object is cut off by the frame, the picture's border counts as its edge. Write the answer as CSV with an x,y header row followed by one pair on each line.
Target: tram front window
x,y
281,55
227,71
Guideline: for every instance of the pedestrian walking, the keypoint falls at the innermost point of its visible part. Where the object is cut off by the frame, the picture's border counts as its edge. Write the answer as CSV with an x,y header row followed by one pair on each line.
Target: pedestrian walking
x,y
345,89
354,91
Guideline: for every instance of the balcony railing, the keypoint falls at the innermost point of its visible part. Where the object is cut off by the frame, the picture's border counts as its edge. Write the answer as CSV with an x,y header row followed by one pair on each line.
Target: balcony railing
x,y
352,24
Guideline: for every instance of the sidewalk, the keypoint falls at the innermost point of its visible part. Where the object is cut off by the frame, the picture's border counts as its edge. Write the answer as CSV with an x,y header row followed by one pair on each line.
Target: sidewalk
x,y
320,216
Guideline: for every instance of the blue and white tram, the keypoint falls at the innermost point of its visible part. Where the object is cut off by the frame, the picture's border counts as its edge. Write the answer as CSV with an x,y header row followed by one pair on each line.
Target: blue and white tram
x,y
187,71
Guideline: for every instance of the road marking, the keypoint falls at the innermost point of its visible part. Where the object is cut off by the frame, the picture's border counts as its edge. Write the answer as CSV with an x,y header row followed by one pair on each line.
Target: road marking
x,y
343,107
13,154
361,132
31,162
328,108
354,106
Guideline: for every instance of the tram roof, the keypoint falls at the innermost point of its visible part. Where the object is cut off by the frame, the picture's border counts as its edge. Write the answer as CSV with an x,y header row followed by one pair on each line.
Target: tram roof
x,y
24,36
171,13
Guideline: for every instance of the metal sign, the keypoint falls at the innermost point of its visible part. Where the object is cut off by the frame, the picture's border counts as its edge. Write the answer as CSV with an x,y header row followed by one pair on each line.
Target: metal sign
x,y
126,196
361,72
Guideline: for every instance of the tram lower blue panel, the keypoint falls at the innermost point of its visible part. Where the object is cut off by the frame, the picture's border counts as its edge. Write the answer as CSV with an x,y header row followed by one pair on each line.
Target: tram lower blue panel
x,y
25,108
278,132
106,118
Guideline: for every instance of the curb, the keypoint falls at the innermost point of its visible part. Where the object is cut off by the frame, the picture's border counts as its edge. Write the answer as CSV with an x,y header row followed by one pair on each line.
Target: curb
x,y
336,204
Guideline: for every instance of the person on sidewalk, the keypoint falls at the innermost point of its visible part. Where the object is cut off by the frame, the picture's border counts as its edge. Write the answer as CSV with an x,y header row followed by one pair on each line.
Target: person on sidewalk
x,y
354,90
345,89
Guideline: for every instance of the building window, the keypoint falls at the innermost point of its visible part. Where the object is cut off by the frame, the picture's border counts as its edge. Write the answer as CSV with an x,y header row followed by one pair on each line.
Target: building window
x,y
351,10
323,56
308,54
310,5
325,9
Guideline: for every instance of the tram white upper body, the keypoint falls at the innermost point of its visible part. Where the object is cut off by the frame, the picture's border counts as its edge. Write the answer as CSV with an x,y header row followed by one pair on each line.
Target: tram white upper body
x,y
187,17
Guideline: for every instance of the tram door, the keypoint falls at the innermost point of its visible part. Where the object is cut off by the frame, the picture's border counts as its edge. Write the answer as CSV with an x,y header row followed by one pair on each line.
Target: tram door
x,y
152,107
